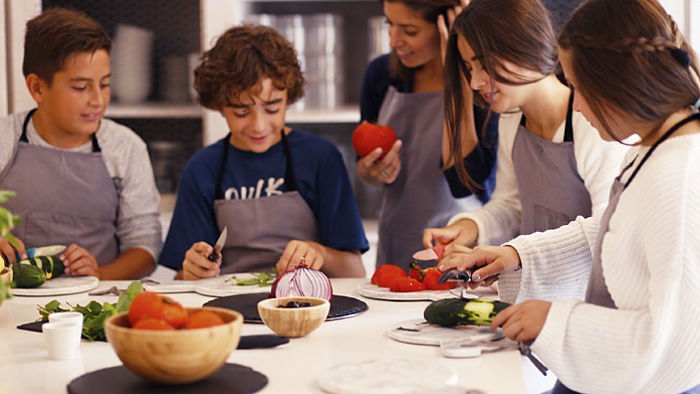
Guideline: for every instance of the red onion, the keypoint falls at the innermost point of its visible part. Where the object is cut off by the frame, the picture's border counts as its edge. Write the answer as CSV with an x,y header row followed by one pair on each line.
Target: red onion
x,y
302,282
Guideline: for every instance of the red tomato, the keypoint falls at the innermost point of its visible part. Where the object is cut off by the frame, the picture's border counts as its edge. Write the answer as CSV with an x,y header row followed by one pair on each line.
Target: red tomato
x,y
149,323
368,136
406,284
385,272
415,271
151,304
430,280
203,319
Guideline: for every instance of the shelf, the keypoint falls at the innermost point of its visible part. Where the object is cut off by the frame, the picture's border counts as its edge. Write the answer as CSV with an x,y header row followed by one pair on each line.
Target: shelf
x,y
154,110
340,115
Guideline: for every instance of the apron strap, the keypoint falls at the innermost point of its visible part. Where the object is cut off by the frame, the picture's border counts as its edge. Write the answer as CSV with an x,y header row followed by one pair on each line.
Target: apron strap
x,y
23,137
690,118
289,178
568,126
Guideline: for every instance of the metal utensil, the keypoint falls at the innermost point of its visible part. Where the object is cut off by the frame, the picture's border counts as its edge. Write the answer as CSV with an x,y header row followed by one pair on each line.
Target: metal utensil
x,y
112,290
456,276
219,245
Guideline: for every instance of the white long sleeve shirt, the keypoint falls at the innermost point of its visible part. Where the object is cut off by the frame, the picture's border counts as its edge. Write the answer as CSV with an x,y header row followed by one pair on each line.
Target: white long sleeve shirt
x,y
597,162
651,265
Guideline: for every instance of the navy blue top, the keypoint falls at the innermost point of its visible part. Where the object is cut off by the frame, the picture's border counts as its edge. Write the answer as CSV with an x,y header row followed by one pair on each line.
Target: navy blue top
x,y
321,179
480,163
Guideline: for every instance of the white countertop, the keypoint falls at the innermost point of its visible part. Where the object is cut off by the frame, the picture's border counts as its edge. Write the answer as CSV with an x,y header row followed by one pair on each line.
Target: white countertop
x,y
290,368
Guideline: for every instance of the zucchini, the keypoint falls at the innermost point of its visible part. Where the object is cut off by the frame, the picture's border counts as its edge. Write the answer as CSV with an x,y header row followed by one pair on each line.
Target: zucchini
x,y
51,265
459,311
27,275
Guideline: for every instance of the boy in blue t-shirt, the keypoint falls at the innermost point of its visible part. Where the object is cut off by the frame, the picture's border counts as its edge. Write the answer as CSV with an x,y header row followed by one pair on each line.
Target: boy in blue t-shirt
x,y
283,194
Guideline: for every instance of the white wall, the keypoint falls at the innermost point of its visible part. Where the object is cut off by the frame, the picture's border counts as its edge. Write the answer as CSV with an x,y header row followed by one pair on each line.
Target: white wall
x,y
3,63
17,13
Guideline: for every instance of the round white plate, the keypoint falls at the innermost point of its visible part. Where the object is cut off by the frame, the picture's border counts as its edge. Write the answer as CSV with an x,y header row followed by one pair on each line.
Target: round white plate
x,y
389,377
224,286
419,332
61,285
369,290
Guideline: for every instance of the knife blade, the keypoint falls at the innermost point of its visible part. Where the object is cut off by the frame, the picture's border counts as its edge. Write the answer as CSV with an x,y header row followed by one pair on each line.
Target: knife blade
x,y
219,245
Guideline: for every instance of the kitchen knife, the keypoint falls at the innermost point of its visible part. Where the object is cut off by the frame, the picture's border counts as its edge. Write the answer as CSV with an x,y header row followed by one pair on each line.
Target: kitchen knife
x,y
219,245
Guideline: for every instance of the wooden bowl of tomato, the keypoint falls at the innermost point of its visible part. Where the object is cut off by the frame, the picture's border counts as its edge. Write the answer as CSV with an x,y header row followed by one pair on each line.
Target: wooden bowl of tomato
x,y
159,352
293,317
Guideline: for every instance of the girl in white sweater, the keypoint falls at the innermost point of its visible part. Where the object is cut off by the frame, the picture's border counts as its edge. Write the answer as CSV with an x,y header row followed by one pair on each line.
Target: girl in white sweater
x,y
637,330
552,165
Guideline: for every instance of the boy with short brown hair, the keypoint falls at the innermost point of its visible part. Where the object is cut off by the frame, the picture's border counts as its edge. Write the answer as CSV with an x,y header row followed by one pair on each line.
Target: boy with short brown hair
x,y
81,180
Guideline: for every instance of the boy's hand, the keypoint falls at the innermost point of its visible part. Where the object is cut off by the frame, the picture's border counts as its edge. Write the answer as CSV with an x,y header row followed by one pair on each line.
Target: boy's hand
x,y
297,252
8,250
197,264
79,261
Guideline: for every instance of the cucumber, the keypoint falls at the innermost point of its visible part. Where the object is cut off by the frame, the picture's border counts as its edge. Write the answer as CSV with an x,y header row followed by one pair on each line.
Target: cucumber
x,y
51,265
458,311
27,275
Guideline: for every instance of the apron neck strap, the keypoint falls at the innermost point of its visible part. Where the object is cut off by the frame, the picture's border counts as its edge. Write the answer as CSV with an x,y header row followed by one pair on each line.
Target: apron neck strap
x,y
663,138
23,137
568,126
289,179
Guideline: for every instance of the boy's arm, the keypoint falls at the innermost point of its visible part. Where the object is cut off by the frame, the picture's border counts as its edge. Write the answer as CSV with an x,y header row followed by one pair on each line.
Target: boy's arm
x,y
339,263
134,263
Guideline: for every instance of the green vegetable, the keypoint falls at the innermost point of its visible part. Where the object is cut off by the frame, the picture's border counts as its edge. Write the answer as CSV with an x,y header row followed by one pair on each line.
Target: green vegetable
x,y
458,311
27,275
4,291
94,313
262,279
51,265
7,220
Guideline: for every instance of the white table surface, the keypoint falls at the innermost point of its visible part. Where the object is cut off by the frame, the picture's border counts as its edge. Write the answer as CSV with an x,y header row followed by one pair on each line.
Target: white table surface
x,y
290,368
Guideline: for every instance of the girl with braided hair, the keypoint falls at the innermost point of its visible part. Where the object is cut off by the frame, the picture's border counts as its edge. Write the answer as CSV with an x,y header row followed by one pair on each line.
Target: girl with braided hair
x,y
633,72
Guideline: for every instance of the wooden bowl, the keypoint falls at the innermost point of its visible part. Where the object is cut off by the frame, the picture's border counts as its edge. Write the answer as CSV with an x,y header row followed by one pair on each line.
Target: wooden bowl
x,y
175,357
293,322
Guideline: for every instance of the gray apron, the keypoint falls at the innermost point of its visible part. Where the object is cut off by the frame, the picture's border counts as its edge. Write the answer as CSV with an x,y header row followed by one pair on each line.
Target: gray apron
x,y
63,197
259,229
552,193
597,292
420,196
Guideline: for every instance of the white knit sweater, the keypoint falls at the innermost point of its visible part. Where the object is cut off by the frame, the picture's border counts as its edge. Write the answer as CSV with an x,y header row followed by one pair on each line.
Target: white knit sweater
x,y
597,162
651,265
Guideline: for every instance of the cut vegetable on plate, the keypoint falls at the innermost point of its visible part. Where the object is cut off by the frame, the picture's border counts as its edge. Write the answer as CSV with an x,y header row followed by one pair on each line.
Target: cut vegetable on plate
x,y
460,312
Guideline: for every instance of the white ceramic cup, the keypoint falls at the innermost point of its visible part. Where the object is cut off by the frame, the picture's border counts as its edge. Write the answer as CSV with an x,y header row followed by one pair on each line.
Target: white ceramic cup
x,y
62,339
73,317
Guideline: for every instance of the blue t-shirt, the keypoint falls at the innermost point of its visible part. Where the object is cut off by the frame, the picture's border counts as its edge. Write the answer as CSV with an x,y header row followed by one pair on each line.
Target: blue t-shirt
x,y
480,162
321,179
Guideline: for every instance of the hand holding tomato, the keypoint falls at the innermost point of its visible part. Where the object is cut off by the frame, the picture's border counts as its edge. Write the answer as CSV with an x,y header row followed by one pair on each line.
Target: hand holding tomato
x,y
378,172
369,136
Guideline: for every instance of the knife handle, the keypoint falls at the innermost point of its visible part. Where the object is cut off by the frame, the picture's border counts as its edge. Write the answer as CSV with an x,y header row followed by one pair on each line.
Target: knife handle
x,y
213,256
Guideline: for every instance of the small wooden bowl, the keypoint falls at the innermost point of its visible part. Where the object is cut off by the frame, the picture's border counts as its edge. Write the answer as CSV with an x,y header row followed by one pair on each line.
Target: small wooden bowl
x,y
175,357
293,322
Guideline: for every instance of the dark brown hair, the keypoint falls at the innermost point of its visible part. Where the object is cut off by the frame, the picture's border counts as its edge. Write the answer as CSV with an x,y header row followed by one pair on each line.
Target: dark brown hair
x,y
241,57
57,34
429,10
516,31
627,58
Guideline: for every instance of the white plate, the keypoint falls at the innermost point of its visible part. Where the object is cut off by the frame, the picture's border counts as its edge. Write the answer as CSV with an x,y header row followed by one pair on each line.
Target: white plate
x,y
224,286
434,335
216,287
389,377
369,290
61,285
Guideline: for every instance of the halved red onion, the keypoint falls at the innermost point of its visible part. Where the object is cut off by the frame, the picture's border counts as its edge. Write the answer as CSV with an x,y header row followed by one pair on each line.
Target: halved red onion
x,y
302,282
